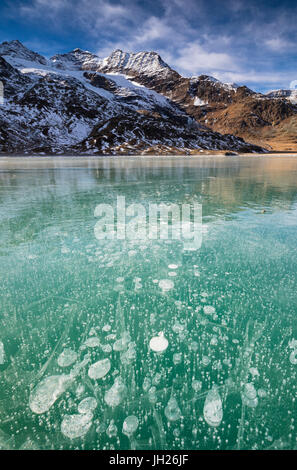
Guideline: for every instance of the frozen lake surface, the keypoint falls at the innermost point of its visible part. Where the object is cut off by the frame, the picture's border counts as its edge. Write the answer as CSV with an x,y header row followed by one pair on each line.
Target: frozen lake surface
x,y
118,344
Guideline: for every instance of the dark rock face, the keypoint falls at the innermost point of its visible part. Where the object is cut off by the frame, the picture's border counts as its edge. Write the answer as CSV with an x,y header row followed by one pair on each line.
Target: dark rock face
x,y
131,133
127,103
13,81
99,81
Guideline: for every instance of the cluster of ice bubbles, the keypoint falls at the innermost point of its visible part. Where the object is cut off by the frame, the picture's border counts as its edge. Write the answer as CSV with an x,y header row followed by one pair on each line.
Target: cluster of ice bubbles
x,y
50,389
44,395
75,425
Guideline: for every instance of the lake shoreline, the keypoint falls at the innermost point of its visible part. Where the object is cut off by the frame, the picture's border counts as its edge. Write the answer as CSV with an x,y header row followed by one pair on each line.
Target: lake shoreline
x,y
22,162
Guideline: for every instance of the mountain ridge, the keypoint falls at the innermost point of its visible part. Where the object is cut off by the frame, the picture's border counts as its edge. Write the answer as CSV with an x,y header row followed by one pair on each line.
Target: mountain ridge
x,y
69,98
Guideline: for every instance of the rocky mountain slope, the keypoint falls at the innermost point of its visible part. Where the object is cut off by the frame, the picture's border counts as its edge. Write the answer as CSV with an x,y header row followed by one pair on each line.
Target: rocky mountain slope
x,y
125,103
225,108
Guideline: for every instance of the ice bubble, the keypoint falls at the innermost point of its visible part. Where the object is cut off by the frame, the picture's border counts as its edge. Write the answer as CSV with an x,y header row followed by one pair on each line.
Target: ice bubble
x,y
293,357
159,343
106,348
99,369
209,310
110,337
194,346
112,430
177,358
254,372
172,410
119,345
138,284
205,360
262,393
178,327
44,395
106,328
129,355
2,353
132,252
293,344
157,378
152,395
250,391
172,266
146,384
92,342
130,425
172,274
166,285
87,405
213,408
176,432
249,395
214,341
116,394
196,385
67,358
74,426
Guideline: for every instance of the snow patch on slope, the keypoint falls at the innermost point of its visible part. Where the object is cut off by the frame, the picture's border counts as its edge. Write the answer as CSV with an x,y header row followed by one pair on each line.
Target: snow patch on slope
x,y
199,102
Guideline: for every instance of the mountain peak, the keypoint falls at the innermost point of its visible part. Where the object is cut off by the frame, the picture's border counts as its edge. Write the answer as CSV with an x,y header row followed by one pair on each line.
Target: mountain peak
x,y
15,51
145,62
14,42
76,59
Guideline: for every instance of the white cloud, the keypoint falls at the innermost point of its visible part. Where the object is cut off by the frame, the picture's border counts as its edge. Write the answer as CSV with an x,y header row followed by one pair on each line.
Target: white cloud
x,y
273,79
278,44
193,58
154,28
189,34
88,14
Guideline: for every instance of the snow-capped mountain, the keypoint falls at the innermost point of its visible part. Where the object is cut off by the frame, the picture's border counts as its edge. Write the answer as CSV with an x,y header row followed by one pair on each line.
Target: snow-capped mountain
x,y
289,95
16,52
76,60
77,102
223,107
141,63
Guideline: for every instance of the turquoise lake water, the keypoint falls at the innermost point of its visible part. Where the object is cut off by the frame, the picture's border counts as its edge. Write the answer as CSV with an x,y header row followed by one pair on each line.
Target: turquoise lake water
x,y
78,369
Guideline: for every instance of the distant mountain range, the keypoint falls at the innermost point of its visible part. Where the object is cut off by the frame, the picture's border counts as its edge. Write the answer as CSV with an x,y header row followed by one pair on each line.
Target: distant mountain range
x,y
77,103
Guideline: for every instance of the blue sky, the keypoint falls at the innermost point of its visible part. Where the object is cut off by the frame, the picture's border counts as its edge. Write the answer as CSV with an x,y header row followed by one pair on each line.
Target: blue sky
x,y
244,41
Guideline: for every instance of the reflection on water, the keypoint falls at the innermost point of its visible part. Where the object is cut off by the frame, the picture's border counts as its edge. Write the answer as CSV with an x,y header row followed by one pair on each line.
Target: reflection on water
x,y
95,354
